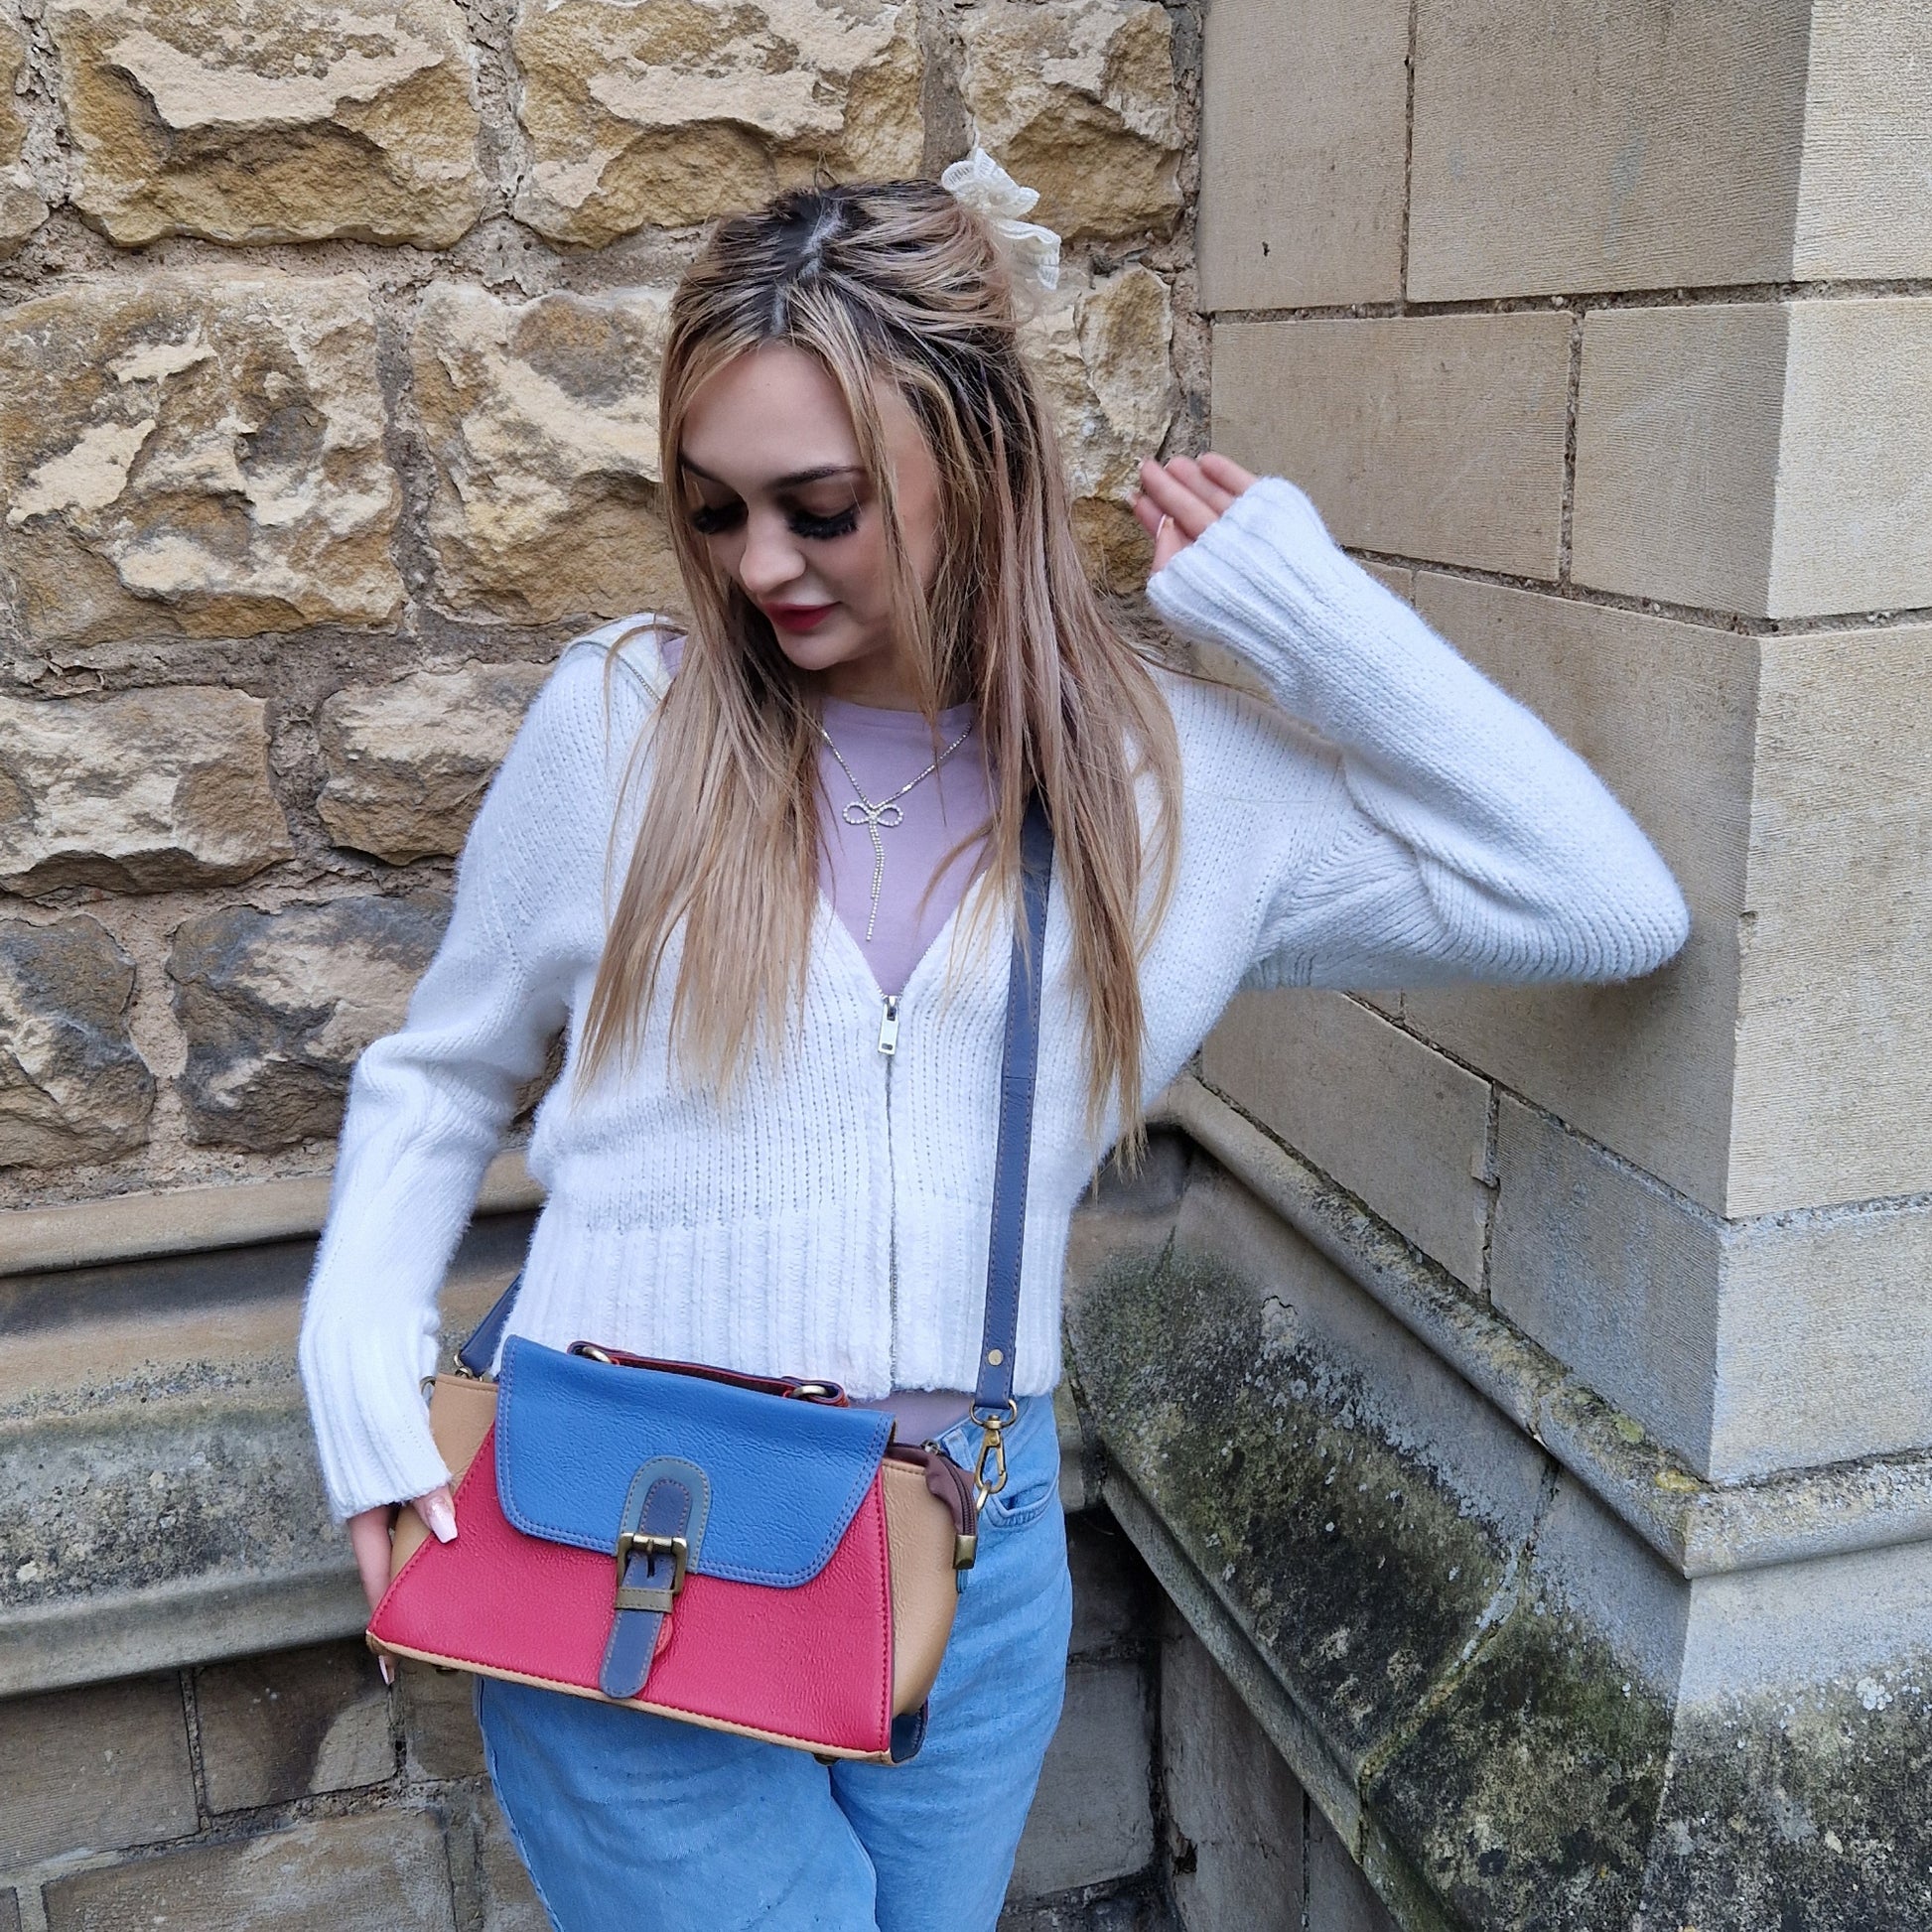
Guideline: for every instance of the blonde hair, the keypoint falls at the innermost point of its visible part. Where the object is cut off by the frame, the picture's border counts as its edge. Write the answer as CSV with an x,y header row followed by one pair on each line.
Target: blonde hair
x,y
890,282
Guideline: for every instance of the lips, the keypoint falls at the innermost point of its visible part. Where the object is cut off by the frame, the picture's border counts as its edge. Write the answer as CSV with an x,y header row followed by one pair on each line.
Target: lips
x,y
797,618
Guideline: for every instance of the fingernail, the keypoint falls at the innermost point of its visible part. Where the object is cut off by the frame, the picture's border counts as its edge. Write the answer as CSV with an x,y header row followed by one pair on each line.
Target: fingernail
x,y
440,1517
387,1665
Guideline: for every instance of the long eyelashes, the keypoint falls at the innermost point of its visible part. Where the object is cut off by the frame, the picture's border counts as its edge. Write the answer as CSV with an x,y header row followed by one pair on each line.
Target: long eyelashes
x,y
710,521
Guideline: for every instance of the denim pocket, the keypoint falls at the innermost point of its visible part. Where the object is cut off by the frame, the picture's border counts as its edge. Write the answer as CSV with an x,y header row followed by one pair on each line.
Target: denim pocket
x,y
1023,1500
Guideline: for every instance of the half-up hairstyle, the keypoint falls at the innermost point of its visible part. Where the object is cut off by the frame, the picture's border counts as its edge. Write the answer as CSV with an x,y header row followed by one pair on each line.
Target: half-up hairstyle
x,y
893,283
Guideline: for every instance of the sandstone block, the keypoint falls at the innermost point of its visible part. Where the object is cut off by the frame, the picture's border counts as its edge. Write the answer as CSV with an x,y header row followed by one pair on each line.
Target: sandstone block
x,y
1584,146
1739,1345
291,1723
1100,348
1092,1819
9,1911
93,1770
439,1723
1664,713
1113,1596
542,419
198,456
408,763
508,1900
1079,100
1440,436
73,1084
1759,458
22,210
142,792
278,1005
1230,1798
386,1873
668,113
297,123
1396,1124
1303,136
1339,1897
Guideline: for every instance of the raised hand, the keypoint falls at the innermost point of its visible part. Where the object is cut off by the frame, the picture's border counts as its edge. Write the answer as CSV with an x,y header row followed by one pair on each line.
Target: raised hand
x,y
1181,497
369,1531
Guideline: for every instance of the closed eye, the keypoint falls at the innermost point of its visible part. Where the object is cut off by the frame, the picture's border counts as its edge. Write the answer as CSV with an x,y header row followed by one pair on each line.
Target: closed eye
x,y
821,529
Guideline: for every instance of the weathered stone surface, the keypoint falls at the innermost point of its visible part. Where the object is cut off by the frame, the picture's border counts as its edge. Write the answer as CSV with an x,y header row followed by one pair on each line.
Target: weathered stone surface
x,y
1113,1596
291,1723
278,1005
387,1873
93,1770
439,1723
9,1911
509,1901
1339,1897
1403,1128
1232,1802
1585,146
142,792
671,112
1100,349
1078,98
542,419
73,1084
1093,1815
200,456
22,210
1438,437
1303,138
295,122
1765,459
1734,1343
408,763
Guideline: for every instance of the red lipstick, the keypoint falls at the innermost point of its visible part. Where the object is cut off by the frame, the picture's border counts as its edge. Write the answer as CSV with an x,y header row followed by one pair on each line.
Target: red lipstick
x,y
798,616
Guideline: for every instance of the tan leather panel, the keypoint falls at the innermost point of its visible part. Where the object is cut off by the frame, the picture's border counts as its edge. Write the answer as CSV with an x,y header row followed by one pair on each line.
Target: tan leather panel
x,y
460,1409
925,1594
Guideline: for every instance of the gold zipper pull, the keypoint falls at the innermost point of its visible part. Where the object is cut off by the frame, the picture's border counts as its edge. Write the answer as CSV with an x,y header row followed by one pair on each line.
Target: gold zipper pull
x,y
888,1026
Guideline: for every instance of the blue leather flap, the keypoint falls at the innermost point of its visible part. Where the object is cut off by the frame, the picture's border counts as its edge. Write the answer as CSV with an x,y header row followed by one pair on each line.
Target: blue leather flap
x,y
787,1477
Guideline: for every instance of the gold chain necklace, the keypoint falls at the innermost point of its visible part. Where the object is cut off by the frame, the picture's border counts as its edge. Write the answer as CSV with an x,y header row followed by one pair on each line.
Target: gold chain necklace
x,y
887,812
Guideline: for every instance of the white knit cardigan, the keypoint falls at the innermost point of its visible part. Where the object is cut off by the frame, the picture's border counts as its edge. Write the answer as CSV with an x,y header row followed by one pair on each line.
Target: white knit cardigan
x,y
1389,819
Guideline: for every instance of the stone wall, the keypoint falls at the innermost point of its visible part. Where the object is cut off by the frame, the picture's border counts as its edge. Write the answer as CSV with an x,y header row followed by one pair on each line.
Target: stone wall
x,y
328,412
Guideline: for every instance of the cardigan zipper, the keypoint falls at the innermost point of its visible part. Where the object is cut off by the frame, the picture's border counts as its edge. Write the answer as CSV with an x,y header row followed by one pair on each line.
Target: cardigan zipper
x,y
889,1047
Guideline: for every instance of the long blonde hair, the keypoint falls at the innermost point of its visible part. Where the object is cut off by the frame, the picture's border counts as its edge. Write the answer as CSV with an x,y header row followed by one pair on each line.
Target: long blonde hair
x,y
890,282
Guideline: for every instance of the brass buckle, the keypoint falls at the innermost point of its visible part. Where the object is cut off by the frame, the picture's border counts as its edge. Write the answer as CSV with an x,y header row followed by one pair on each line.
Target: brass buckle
x,y
993,1449
650,1597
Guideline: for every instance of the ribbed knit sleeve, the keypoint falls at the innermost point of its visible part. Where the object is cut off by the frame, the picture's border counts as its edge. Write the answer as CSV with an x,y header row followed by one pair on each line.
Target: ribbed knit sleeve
x,y
429,1103
1463,840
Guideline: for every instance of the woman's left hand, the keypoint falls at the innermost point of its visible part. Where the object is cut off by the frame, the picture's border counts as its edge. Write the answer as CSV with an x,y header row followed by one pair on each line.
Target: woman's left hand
x,y
1181,497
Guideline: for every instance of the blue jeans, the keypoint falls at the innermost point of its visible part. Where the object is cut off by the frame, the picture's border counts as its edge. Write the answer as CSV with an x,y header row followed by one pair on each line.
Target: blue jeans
x,y
631,1821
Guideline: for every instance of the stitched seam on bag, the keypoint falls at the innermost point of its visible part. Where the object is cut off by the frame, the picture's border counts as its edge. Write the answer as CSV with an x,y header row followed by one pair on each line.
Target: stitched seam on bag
x,y
532,1525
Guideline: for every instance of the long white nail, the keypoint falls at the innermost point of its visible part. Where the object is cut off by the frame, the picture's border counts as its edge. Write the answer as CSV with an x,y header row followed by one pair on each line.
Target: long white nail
x,y
440,1517
387,1667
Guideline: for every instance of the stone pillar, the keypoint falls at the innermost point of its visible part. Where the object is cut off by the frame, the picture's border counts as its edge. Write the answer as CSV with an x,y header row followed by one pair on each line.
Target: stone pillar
x,y
1603,334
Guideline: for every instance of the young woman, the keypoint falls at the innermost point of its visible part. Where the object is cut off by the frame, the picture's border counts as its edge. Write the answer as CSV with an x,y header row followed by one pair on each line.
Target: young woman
x,y
761,875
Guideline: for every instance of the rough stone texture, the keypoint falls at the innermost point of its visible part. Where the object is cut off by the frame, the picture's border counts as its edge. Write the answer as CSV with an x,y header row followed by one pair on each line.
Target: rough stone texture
x,y
1339,1897
1235,1809
1733,1343
542,420
1592,146
408,763
1393,1122
200,456
1092,1819
1100,348
387,1873
1665,714
73,1084
507,1902
295,122
9,1911
1302,141
143,793
291,1723
277,1007
1134,1907
1865,195
22,210
1440,436
676,112
439,1723
1078,98
1764,460
93,1771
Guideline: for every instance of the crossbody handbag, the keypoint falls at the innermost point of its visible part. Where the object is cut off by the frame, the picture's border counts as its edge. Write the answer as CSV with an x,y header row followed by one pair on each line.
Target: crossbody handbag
x,y
748,1553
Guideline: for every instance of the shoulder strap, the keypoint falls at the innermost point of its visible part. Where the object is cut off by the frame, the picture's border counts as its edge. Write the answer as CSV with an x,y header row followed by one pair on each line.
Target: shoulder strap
x,y
1018,1068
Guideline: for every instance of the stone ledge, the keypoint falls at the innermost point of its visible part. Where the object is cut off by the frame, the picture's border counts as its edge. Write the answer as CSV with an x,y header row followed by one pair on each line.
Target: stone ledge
x,y
1703,1529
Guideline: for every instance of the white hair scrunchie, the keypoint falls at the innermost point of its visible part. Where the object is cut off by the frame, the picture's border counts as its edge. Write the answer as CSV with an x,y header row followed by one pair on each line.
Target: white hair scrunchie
x,y
982,185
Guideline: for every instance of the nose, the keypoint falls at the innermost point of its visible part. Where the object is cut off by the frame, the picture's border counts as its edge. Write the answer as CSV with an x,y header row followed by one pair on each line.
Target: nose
x,y
771,560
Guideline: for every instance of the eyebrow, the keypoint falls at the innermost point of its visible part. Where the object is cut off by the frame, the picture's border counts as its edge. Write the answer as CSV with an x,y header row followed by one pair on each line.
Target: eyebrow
x,y
795,479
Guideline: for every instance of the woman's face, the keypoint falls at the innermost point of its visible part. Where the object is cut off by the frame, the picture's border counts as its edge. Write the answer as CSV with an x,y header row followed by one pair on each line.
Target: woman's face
x,y
773,485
